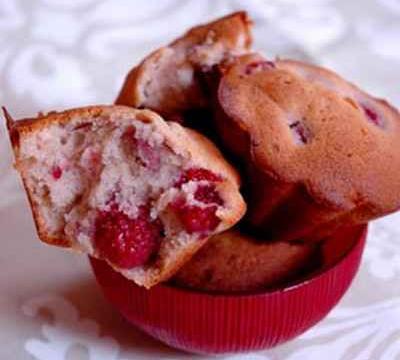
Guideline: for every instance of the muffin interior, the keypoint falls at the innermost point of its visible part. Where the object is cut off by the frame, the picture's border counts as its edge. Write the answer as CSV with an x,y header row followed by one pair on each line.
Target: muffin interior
x,y
117,190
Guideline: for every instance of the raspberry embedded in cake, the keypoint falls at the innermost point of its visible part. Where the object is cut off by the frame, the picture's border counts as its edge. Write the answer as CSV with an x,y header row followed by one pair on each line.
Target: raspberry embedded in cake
x,y
208,194
130,241
372,115
126,242
300,133
197,212
56,172
196,219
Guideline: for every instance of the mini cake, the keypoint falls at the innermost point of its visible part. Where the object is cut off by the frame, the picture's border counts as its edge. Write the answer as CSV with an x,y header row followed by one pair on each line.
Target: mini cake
x,y
167,80
320,153
234,262
125,186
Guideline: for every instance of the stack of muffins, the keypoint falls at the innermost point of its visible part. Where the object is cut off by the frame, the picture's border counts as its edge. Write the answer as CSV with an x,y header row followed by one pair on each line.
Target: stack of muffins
x,y
315,153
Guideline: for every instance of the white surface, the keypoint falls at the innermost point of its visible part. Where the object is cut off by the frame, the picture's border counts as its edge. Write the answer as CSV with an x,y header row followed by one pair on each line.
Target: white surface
x,y
61,53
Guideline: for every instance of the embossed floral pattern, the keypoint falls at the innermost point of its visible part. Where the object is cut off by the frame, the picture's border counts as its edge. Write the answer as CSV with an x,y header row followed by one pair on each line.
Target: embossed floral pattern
x,y
349,327
66,330
312,24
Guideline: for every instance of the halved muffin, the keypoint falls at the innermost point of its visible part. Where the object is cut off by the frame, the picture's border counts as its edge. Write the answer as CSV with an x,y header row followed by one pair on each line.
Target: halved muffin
x,y
125,186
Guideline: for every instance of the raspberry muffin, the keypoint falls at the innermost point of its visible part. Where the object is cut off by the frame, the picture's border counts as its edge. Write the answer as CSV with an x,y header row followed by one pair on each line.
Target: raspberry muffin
x,y
125,186
168,80
234,262
319,151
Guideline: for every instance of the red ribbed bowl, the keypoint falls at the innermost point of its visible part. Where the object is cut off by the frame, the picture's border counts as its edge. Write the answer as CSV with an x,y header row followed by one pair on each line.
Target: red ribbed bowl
x,y
207,323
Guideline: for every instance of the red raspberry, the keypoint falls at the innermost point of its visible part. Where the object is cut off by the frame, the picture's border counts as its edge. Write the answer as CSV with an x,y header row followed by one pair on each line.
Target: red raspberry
x,y
300,132
56,172
200,220
195,219
197,174
208,194
126,242
372,115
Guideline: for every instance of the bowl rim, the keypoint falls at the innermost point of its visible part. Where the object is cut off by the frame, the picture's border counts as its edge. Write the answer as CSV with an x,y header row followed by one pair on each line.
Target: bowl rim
x,y
362,231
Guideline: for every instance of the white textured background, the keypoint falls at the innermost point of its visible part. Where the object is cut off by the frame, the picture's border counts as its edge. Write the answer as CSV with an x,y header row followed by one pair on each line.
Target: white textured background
x,y
61,53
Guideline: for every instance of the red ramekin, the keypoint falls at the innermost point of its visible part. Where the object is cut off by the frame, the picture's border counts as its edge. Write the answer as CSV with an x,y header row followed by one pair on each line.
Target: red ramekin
x,y
223,323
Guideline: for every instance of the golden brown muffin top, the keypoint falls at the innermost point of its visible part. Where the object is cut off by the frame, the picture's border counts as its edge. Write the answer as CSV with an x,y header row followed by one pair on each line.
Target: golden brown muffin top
x,y
307,125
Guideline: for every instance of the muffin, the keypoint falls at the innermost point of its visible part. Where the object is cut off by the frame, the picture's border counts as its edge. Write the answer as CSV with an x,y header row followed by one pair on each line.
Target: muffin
x,y
236,262
168,80
125,186
318,151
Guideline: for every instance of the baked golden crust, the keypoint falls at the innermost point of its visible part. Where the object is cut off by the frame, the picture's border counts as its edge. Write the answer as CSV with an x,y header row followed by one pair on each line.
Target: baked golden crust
x,y
319,150
166,80
234,262
181,141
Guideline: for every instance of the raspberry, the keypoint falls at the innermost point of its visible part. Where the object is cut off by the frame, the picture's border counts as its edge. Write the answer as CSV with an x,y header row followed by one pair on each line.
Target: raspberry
x,y
126,242
56,172
300,132
195,219
197,174
372,115
200,220
208,194
258,66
